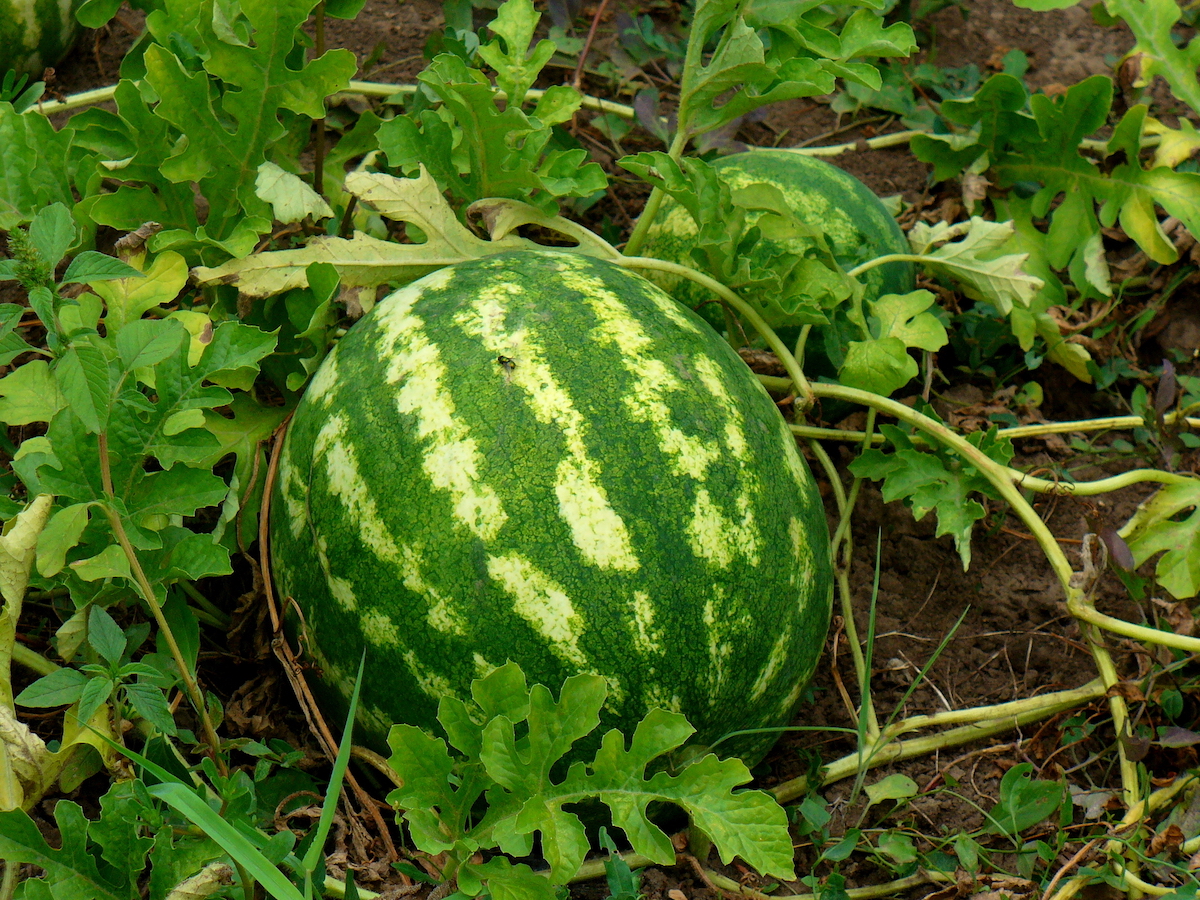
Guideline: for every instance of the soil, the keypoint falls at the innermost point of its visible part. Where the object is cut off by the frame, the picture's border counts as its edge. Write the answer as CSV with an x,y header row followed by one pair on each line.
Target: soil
x,y
1014,640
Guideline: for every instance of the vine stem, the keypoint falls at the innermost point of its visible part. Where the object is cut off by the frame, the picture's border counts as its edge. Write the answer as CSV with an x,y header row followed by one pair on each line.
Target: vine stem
x,y
980,722
1077,602
841,570
35,662
147,592
10,879
783,385
383,90
319,124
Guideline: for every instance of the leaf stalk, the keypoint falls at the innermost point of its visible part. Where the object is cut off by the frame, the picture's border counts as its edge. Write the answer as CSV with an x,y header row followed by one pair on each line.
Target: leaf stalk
x,y
147,592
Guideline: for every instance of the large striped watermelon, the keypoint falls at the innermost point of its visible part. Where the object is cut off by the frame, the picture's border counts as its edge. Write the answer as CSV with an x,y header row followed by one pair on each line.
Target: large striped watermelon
x,y
540,457
35,34
857,225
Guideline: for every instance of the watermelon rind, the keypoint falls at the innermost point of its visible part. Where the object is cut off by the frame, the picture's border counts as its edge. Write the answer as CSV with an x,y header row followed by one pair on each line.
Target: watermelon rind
x,y
854,220
540,457
35,34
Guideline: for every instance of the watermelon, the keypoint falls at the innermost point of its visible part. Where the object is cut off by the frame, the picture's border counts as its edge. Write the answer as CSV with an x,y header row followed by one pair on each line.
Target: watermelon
x,y
540,457
35,34
857,225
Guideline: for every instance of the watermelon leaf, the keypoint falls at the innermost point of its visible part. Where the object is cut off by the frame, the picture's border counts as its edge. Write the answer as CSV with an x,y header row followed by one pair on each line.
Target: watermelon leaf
x,y
977,261
804,57
1169,521
227,140
514,739
786,288
33,167
71,872
1034,142
510,152
364,261
935,480
1158,50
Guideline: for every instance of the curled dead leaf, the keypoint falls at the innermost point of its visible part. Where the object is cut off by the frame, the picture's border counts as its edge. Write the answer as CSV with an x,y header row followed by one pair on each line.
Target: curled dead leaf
x,y
1167,840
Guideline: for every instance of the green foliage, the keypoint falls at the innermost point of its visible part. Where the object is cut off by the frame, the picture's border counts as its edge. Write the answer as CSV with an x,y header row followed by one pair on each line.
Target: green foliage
x,y
1157,50
1032,146
514,772
801,56
786,288
13,90
1169,523
476,139
935,480
199,114
1025,801
141,467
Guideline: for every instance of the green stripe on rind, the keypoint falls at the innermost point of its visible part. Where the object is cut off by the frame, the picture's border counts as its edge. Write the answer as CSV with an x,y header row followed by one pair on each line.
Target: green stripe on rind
x,y
35,34
694,627
856,223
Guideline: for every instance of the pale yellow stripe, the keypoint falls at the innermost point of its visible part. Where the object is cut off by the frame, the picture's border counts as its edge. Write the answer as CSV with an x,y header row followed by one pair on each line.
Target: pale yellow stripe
x,y
653,381
542,603
596,528
27,11
719,649
717,537
294,491
347,484
779,653
321,388
647,637
431,684
452,459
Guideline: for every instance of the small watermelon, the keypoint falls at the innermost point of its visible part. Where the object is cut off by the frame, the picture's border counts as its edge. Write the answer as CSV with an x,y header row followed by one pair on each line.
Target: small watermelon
x,y
35,34
855,222
540,457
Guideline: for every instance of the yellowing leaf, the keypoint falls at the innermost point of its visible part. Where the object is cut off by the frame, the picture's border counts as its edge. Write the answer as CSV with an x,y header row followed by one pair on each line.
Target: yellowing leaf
x,y
973,262
364,261
290,197
1175,144
128,299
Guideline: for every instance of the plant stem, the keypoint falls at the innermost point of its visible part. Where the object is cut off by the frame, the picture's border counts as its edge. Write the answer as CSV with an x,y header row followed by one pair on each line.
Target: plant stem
x,y
219,618
841,571
10,879
890,889
780,385
1077,601
997,474
884,260
985,721
147,592
842,539
319,136
1105,424
33,660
